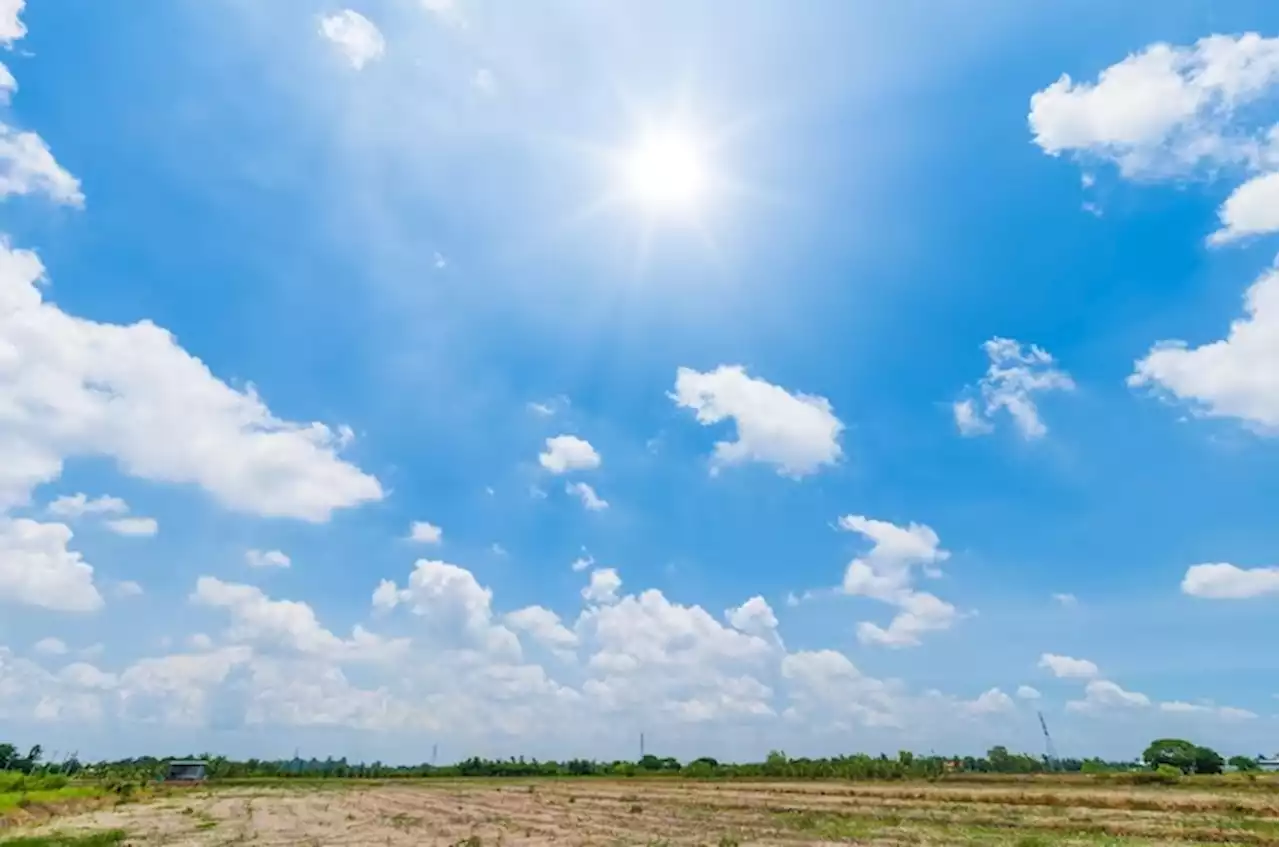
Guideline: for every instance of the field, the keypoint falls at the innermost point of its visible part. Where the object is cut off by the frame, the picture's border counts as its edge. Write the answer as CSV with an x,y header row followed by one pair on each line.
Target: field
x,y
474,813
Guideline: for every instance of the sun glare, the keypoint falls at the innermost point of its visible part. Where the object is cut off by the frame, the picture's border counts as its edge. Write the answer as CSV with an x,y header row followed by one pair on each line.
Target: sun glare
x,y
665,173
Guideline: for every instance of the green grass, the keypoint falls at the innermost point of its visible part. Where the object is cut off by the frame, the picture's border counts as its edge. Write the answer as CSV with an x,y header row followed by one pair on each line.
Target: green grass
x,y
107,838
10,800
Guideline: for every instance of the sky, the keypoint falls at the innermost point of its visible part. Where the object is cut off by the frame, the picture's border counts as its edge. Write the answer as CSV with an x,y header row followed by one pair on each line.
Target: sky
x,y
517,379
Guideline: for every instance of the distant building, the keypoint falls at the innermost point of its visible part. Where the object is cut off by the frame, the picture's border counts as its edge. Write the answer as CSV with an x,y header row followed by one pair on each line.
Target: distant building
x,y
1269,764
185,771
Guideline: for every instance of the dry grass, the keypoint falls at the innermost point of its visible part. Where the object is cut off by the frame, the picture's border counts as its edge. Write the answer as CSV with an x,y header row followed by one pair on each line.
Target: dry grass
x,y
651,813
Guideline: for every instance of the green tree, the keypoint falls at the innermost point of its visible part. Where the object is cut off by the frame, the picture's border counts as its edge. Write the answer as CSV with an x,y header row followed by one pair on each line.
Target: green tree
x,y
1208,761
1244,763
1174,752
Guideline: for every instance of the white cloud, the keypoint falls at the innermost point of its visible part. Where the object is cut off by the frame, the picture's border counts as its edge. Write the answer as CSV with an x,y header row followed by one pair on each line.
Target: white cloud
x,y
1013,375
796,433
1238,376
1223,581
544,626
11,26
1026,692
8,84
27,166
266,559
754,617
591,501
199,641
1252,209
446,11
454,607
885,573
50,646
568,453
1066,667
990,702
81,388
1229,713
1103,695
1165,110
287,624
485,82
603,587
127,588
136,527
425,532
78,505
1066,600
37,569
582,563
355,36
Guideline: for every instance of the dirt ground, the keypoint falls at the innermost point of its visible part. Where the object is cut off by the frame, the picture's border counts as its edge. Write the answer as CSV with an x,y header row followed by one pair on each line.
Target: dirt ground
x,y
605,812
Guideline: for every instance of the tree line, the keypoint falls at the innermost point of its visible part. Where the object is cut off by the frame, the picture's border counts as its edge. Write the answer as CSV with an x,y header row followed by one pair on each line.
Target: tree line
x,y
1169,756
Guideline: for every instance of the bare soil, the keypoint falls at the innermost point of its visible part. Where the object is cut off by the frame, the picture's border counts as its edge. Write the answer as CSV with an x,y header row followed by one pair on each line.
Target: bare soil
x,y
639,812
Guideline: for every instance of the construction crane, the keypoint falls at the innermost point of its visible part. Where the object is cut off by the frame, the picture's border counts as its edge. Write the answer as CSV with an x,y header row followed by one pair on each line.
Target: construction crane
x,y
1050,754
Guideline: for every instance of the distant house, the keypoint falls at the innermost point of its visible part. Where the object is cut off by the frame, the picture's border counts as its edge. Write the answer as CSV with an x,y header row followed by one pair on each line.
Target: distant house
x,y
1269,764
185,771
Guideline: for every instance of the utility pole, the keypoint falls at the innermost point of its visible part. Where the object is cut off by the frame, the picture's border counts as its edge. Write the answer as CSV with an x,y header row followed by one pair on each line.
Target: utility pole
x,y
1050,754
642,745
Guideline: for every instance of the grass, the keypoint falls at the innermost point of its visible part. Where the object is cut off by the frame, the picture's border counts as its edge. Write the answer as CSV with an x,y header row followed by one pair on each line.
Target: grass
x,y
107,838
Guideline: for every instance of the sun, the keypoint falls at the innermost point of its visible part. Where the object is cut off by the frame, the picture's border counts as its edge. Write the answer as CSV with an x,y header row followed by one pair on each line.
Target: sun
x,y
666,173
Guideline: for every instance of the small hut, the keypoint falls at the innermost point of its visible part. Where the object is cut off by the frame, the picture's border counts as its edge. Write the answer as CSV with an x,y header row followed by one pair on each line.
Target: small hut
x,y
192,770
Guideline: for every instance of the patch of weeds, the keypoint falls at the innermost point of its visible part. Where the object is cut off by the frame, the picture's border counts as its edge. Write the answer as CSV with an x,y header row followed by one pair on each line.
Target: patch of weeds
x,y
469,841
107,838
207,823
636,808
1032,841
728,841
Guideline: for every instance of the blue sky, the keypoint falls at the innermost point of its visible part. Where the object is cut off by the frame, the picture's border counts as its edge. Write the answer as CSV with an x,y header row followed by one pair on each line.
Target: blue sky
x,y
882,442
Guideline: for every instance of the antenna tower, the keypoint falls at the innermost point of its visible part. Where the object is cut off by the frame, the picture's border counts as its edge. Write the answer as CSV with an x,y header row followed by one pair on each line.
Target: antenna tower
x,y
1050,754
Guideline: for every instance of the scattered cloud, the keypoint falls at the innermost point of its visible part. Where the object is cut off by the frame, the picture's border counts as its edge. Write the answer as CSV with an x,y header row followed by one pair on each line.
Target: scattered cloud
x,y
132,394
266,559
990,702
27,166
355,36
796,433
454,608
424,532
591,501
1165,110
1223,581
79,505
1014,374
754,617
1101,695
582,562
544,627
1026,692
1237,377
37,569
136,527
566,453
1066,667
50,646
1229,713
448,12
1068,601
603,587
126,588
886,573
1250,210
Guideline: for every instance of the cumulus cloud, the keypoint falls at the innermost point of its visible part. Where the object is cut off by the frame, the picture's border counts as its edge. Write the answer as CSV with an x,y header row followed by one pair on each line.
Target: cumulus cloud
x,y
603,586
591,501
266,559
448,12
887,573
1102,695
1165,110
50,646
544,627
1252,209
796,433
137,527
754,617
1066,667
568,453
126,588
1238,376
80,388
79,505
1026,692
1228,713
455,609
1014,374
27,166
37,569
1224,581
424,532
991,701
286,624
355,36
